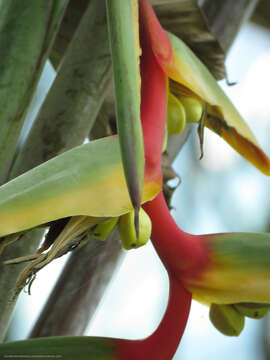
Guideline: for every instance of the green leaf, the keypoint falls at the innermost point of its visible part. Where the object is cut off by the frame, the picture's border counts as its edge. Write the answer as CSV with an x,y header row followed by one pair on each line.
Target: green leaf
x,y
68,348
125,48
87,180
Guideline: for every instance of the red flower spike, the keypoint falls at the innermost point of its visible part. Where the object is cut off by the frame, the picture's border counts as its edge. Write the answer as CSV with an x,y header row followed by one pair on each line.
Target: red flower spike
x,y
183,254
163,343
168,239
153,117
153,105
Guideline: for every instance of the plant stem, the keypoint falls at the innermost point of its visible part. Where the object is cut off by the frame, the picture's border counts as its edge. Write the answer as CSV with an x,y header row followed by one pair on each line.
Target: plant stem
x,y
27,32
9,275
180,252
79,289
163,343
71,106
73,15
48,138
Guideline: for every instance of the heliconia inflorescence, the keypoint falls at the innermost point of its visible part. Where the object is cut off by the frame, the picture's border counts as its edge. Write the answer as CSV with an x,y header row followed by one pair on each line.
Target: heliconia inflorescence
x,y
89,185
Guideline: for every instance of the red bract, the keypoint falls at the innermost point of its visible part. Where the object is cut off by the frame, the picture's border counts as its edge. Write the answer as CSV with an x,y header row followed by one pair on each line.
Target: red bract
x,y
163,343
167,238
153,106
184,255
189,259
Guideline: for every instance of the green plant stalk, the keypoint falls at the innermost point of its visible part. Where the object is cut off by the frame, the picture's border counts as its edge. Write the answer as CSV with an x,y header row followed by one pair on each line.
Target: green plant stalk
x,y
70,108
27,31
73,15
39,148
125,49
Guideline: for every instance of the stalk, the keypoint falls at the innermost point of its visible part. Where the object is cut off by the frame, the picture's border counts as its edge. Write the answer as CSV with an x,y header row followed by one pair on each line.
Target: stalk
x,y
73,15
70,108
27,31
49,136
75,296
181,252
164,341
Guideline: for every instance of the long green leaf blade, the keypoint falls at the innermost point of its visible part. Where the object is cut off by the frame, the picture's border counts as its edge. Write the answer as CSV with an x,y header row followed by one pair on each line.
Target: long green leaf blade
x,y
87,180
124,39
68,348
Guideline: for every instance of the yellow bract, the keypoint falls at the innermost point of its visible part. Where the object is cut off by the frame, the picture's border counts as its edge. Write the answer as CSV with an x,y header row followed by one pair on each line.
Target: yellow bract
x,y
190,77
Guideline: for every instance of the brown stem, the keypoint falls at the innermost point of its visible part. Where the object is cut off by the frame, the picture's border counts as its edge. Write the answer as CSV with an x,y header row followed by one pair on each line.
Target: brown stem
x,y
79,289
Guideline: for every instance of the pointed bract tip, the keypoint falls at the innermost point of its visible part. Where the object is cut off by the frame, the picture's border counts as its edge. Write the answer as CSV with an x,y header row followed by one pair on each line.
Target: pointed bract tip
x,y
159,40
137,222
250,150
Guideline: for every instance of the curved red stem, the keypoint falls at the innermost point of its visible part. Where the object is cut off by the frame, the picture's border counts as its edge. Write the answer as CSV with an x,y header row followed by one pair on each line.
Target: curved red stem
x,y
163,343
181,253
